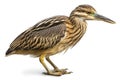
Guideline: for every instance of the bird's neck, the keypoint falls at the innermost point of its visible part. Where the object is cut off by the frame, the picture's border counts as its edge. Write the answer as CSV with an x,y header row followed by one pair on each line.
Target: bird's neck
x,y
78,30
78,22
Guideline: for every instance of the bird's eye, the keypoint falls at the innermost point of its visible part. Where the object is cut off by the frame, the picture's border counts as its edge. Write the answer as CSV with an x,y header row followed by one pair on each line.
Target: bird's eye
x,y
89,12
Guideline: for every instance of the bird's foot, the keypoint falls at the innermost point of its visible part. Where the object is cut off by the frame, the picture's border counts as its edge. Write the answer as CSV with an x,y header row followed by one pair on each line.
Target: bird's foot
x,y
63,71
58,72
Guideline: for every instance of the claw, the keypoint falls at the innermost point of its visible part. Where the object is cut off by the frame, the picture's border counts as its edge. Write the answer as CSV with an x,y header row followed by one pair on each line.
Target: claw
x,y
58,72
63,71
69,72
54,73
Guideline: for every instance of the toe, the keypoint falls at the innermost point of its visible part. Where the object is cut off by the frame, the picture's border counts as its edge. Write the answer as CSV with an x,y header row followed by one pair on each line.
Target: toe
x,y
53,73
63,71
68,72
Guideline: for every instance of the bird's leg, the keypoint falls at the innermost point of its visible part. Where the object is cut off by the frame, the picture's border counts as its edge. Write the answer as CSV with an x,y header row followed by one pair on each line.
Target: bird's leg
x,y
56,69
41,58
54,66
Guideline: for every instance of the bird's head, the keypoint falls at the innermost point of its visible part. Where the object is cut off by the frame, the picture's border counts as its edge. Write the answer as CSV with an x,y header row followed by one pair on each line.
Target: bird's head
x,y
87,12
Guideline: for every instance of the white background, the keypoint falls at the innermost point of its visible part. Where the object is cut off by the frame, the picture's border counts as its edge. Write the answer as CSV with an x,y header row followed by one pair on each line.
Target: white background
x,y
95,57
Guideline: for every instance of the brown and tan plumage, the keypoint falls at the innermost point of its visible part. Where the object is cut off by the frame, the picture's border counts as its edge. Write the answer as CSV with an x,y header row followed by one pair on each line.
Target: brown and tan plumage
x,y
53,35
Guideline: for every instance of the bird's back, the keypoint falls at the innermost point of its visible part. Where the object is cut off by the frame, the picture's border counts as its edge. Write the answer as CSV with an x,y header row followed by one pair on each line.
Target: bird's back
x,y
42,36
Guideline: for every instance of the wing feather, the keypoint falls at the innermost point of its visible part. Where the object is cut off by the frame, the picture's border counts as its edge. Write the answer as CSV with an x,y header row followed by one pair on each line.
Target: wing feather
x,y
43,35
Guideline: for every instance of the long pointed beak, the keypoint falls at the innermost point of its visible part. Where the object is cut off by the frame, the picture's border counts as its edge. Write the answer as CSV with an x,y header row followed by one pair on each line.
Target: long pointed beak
x,y
102,18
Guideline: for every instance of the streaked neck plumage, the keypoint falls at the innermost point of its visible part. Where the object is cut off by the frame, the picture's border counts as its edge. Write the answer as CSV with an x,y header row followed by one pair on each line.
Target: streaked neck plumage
x,y
79,29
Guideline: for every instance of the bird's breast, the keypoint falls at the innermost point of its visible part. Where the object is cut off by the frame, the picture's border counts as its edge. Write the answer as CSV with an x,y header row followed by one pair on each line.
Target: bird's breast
x,y
74,33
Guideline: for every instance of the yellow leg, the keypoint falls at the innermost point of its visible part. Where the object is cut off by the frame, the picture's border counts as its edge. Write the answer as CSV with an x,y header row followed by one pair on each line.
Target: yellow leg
x,y
56,69
54,66
41,58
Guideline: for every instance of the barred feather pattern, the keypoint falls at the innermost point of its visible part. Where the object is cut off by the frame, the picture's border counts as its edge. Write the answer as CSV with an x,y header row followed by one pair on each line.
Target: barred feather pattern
x,y
75,32
51,36
43,35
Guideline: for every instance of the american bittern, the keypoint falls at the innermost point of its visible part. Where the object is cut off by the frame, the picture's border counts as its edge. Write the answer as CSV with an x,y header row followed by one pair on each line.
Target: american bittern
x,y
54,35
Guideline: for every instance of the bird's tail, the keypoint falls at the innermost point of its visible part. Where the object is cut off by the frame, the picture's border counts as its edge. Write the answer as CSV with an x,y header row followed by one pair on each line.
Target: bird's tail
x,y
8,52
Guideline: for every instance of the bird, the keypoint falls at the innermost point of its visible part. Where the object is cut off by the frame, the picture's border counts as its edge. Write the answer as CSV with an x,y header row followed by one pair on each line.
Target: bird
x,y
54,35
